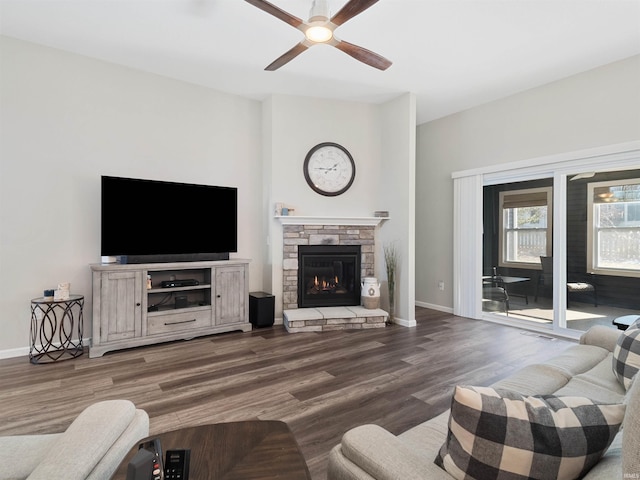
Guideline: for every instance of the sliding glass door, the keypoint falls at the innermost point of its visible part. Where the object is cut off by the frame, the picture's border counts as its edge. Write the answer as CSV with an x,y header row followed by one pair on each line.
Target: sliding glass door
x,y
562,251
559,235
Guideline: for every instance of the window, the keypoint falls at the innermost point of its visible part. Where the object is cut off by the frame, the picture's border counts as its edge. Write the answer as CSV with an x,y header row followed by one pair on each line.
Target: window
x,y
613,239
525,227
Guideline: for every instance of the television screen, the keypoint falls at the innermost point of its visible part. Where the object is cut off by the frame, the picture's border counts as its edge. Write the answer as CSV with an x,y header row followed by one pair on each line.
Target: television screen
x,y
149,217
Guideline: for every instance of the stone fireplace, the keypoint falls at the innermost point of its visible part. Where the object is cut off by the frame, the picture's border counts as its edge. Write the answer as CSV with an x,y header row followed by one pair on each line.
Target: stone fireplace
x,y
306,235
342,240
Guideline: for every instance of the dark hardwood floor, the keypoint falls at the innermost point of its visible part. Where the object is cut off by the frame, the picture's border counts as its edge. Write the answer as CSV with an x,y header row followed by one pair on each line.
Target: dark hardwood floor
x,y
320,384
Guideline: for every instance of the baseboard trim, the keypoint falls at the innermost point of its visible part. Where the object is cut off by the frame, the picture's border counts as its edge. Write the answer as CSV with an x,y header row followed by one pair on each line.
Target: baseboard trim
x,y
433,306
404,323
14,352
24,351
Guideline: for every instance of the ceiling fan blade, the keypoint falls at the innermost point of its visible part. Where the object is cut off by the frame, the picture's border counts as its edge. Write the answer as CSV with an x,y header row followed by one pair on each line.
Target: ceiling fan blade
x,y
276,12
350,10
287,57
365,56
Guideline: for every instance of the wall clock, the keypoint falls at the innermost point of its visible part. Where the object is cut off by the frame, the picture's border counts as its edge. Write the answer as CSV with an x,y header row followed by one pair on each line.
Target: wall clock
x,y
329,169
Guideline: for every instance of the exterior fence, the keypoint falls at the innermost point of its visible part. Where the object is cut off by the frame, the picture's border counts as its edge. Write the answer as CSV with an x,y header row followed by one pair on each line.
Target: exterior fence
x,y
617,247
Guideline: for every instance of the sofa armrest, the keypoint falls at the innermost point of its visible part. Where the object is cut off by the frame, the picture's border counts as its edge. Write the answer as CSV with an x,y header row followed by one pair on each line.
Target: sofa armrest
x,y
601,336
384,456
137,430
87,441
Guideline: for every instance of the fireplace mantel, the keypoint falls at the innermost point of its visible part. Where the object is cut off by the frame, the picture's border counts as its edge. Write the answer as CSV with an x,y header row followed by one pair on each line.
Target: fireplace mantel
x,y
358,221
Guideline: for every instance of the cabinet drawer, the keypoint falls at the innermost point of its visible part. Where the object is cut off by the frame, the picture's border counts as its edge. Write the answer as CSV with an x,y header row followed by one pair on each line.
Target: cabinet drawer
x,y
177,322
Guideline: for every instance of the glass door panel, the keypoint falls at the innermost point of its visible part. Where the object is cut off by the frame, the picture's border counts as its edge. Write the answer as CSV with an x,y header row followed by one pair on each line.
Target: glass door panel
x,y
603,247
518,237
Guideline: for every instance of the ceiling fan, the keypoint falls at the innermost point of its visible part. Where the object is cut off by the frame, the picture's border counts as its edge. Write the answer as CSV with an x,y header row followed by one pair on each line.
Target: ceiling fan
x,y
319,29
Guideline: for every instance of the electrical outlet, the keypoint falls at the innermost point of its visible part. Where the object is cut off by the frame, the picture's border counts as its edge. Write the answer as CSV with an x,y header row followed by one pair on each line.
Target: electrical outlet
x,y
441,285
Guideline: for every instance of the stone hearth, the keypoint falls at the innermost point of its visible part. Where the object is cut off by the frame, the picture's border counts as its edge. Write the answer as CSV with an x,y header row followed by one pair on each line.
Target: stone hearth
x,y
322,319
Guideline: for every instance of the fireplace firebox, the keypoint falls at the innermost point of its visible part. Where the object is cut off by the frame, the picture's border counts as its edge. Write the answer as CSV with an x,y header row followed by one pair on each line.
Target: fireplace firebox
x,y
328,275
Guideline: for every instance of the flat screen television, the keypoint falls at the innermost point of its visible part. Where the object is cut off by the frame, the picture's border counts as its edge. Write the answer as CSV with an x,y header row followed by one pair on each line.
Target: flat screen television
x,y
154,221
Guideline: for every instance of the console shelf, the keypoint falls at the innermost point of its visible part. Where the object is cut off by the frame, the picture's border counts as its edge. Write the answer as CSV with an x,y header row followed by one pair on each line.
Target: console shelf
x,y
127,313
179,289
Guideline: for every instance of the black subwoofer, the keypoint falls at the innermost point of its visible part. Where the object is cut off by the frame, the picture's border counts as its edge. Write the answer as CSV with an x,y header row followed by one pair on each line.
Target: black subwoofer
x,y
261,309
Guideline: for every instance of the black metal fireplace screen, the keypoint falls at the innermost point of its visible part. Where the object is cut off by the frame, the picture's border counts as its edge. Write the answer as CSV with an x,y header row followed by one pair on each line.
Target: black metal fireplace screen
x,y
328,275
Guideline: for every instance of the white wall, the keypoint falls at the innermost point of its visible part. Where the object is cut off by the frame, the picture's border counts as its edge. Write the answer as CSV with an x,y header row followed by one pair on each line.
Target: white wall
x,y
66,120
595,108
300,123
396,193
296,124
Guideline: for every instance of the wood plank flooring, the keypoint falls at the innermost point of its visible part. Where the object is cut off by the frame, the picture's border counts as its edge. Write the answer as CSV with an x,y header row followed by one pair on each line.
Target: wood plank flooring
x,y
320,384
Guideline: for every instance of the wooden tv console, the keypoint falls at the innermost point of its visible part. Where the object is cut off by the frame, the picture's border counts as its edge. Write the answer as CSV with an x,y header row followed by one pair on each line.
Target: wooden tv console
x,y
130,312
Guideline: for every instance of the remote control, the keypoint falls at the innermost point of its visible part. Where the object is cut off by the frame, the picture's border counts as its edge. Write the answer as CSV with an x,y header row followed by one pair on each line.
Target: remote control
x,y
176,465
155,449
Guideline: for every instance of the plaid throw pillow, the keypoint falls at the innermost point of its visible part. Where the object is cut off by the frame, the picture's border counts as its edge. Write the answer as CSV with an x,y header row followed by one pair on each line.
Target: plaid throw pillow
x,y
498,434
626,355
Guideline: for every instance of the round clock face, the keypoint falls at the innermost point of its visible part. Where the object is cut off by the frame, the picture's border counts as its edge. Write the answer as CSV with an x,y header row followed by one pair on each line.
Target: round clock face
x,y
329,169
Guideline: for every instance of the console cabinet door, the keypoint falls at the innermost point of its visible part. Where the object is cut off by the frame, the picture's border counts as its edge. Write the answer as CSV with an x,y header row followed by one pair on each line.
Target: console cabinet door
x,y
121,305
231,295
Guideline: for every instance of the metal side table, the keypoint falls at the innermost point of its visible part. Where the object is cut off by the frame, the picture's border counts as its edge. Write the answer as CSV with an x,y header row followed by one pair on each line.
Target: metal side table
x,y
54,324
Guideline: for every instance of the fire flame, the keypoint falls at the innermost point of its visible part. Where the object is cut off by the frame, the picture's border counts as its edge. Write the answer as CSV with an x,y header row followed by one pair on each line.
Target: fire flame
x,y
324,284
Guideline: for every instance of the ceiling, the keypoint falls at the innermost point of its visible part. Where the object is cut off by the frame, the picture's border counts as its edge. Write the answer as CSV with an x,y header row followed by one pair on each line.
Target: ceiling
x,y
452,54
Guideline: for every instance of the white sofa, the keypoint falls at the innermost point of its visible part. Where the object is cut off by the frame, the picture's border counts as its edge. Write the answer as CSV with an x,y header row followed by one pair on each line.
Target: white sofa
x,y
371,452
91,448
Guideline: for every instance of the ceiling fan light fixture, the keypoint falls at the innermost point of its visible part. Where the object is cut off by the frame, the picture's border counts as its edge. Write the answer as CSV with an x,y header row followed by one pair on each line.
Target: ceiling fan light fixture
x,y
319,33
319,29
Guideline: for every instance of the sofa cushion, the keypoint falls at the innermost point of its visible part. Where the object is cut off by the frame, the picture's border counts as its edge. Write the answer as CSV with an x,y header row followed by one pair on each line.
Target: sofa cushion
x,y
535,379
428,436
381,455
626,355
598,384
548,377
502,434
578,359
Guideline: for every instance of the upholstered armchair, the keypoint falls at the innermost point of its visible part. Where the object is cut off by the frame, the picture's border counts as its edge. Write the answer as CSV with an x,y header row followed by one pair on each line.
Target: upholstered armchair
x,y
91,448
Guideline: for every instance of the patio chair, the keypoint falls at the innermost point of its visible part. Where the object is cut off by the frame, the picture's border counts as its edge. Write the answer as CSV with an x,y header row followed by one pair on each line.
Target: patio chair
x,y
545,278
